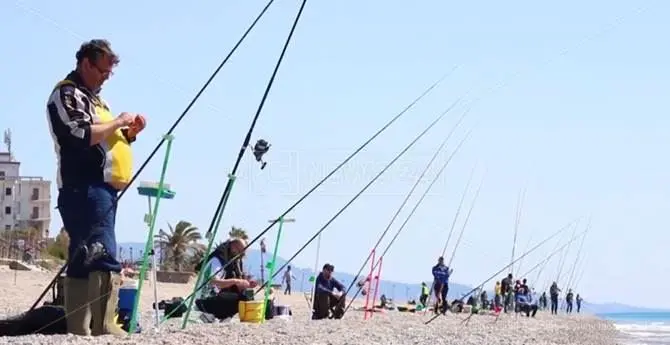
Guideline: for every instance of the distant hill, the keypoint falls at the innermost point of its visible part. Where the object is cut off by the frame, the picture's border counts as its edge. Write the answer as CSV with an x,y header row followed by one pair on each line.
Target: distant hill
x,y
396,290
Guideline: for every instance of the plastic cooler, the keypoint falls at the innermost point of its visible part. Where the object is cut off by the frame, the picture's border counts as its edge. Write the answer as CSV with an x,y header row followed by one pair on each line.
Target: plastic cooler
x,y
127,294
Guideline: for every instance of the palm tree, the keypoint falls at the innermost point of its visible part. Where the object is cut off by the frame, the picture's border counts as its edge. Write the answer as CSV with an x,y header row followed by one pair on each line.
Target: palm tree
x,y
180,243
236,232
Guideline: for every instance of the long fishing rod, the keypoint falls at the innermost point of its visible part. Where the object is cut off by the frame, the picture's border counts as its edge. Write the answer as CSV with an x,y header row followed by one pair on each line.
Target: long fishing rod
x,y
569,286
451,231
530,240
460,235
404,202
571,277
548,280
409,216
205,281
223,201
555,251
445,112
465,223
539,272
162,141
517,220
508,265
564,258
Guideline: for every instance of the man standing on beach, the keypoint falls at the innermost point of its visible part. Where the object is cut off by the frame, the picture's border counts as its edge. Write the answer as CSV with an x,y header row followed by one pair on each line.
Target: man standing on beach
x,y
506,287
288,278
441,275
425,292
94,164
553,295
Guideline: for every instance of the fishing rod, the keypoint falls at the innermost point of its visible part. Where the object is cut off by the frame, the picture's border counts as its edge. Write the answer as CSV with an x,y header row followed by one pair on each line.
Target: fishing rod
x,y
517,220
571,277
404,202
556,251
530,240
508,265
259,149
302,198
460,235
161,142
564,258
568,286
539,272
451,231
416,206
410,145
465,223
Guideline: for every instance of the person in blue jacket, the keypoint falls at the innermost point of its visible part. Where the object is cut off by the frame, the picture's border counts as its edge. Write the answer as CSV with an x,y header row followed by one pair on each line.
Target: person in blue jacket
x,y
441,275
329,295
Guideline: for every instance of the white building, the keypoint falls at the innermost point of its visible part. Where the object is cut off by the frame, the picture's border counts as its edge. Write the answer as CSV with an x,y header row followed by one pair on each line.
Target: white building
x,y
25,201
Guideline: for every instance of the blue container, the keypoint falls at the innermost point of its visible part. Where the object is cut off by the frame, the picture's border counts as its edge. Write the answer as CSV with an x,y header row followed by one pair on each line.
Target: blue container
x,y
127,297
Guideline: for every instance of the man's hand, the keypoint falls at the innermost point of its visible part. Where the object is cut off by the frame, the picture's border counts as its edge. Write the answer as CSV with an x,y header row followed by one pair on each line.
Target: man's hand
x,y
253,283
137,126
242,284
125,119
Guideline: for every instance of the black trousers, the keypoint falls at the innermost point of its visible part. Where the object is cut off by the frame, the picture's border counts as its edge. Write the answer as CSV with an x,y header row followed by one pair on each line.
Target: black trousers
x,y
324,303
554,304
529,310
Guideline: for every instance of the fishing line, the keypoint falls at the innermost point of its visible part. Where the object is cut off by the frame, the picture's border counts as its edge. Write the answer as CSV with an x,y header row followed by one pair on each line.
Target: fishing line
x,y
160,144
416,206
330,174
508,265
410,145
451,231
404,202
548,280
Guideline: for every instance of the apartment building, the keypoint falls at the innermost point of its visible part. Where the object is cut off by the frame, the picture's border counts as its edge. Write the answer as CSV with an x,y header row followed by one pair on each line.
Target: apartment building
x,y
25,201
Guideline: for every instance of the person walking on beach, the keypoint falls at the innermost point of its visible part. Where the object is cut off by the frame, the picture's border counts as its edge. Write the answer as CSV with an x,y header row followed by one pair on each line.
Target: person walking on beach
x,y
441,275
568,301
94,163
288,278
553,294
578,299
425,291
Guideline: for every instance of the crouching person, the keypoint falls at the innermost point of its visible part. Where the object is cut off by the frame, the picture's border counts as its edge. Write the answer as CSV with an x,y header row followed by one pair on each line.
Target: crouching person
x,y
527,303
326,298
225,287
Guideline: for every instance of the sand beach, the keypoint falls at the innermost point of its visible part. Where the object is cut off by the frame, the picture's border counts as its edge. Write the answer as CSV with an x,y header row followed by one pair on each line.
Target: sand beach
x,y
19,289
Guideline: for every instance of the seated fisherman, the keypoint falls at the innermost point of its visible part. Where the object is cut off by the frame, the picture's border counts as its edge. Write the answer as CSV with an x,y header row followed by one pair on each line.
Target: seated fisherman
x,y
527,303
226,284
325,296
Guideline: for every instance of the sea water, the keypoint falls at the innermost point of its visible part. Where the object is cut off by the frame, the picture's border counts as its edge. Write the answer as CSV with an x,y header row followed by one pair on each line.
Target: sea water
x,y
642,328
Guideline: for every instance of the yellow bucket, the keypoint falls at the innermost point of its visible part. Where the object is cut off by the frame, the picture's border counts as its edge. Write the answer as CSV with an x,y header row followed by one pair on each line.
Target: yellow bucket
x,y
251,311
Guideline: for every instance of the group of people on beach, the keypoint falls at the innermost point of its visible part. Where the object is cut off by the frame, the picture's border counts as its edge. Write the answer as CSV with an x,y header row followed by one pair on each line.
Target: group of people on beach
x,y
509,295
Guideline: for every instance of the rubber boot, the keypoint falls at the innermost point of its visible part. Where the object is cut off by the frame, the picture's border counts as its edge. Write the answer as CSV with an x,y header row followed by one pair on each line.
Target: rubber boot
x,y
77,309
103,291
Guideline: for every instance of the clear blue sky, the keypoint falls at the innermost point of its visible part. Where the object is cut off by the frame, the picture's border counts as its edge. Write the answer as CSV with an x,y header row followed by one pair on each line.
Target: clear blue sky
x,y
579,120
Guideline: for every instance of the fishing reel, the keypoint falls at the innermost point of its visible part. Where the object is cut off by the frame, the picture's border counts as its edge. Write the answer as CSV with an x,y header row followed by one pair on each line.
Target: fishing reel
x,y
261,148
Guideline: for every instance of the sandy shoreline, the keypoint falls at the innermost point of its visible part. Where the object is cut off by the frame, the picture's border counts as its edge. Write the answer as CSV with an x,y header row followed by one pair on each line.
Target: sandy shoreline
x,y
387,328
